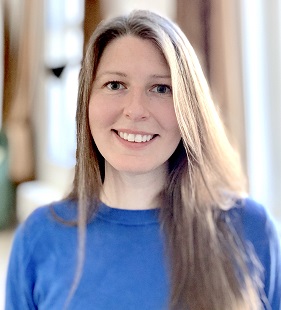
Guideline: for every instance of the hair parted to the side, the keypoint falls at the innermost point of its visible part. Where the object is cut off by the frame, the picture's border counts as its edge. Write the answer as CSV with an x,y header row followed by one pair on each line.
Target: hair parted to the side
x,y
208,260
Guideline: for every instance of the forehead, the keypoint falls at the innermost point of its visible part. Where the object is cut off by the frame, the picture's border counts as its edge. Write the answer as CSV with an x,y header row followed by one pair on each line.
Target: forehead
x,y
130,48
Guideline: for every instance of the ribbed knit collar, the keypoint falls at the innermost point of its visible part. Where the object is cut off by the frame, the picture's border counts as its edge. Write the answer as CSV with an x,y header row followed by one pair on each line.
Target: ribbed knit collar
x,y
128,217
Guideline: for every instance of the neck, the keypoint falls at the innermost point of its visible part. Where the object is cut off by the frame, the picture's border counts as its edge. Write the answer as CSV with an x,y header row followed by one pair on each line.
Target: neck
x,y
132,191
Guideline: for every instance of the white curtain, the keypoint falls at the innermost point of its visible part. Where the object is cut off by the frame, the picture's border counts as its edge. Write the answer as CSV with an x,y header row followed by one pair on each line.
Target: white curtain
x,y
261,42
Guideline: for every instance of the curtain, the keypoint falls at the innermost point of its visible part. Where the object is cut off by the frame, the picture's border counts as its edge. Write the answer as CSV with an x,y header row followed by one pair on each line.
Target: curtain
x,y
91,19
23,32
213,29
1,58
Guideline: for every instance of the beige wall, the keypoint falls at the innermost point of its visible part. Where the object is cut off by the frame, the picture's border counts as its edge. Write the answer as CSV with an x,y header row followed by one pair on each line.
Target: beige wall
x,y
226,76
117,7
213,28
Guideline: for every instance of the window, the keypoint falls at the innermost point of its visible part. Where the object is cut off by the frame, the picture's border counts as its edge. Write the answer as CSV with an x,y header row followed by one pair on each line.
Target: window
x,y
63,54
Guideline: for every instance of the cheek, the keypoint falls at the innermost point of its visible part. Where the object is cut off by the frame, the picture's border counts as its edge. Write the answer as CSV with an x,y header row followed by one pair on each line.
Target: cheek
x,y
169,120
97,120
93,112
93,117
98,115
101,111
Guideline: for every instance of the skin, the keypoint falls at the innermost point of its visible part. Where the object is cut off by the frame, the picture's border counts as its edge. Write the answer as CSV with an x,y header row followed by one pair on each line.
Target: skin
x,y
132,97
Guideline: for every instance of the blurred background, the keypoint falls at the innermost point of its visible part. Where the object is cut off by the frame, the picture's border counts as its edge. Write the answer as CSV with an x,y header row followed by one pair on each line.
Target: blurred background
x,y
41,46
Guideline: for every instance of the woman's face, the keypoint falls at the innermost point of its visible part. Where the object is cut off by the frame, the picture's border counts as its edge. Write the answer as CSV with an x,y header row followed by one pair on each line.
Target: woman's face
x,y
131,112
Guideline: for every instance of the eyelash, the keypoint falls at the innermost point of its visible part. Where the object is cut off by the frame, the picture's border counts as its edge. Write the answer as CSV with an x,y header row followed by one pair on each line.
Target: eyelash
x,y
107,84
112,82
163,85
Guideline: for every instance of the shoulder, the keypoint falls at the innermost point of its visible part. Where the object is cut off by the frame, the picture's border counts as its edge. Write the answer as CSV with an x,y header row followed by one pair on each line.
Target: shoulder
x,y
248,208
39,241
253,222
257,229
65,210
253,216
44,222
254,212
255,226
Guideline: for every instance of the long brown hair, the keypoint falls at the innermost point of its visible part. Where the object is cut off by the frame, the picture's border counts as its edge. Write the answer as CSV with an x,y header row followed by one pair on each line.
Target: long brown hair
x,y
207,260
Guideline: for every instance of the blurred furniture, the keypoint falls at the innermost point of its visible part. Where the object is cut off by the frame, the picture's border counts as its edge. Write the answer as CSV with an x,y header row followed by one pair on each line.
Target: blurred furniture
x,y
7,189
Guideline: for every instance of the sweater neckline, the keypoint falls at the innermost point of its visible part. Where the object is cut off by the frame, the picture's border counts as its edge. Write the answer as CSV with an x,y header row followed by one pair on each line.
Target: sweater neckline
x,y
128,217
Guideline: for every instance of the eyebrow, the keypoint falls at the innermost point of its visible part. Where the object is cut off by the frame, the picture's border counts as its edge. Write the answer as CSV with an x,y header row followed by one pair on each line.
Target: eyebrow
x,y
121,74
159,76
112,73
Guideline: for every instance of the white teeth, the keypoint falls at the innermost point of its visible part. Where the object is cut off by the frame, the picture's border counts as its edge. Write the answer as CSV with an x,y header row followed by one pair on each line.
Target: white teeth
x,y
131,137
138,138
134,138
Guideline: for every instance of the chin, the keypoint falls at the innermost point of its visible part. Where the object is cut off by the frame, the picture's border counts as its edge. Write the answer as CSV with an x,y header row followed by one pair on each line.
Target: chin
x,y
137,168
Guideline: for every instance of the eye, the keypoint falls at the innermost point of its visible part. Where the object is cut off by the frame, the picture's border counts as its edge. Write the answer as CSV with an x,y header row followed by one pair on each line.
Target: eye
x,y
114,85
162,89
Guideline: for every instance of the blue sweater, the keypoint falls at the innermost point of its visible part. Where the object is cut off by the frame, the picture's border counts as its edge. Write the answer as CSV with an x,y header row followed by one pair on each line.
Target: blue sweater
x,y
125,265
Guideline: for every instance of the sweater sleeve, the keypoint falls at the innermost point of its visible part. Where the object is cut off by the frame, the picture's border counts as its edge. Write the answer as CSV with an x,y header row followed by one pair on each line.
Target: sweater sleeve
x,y
274,267
261,230
20,277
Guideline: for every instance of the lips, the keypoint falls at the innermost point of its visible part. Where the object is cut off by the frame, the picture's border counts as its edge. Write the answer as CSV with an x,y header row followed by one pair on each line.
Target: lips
x,y
138,138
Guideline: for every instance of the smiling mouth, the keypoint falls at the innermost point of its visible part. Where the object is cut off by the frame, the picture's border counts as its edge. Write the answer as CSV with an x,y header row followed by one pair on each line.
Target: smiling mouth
x,y
137,138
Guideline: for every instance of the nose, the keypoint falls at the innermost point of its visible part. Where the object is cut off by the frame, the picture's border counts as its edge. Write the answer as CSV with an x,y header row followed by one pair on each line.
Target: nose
x,y
136,107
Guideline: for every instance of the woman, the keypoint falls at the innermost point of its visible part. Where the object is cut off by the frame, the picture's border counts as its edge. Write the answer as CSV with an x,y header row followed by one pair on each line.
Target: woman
x,y
158,196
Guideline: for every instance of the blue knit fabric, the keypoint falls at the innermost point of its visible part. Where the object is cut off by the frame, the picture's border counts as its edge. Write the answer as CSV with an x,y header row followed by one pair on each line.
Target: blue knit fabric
x,y
125,266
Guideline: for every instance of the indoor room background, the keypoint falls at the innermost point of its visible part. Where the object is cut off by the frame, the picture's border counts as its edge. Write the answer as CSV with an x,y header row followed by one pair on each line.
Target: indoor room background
x,y
41,47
